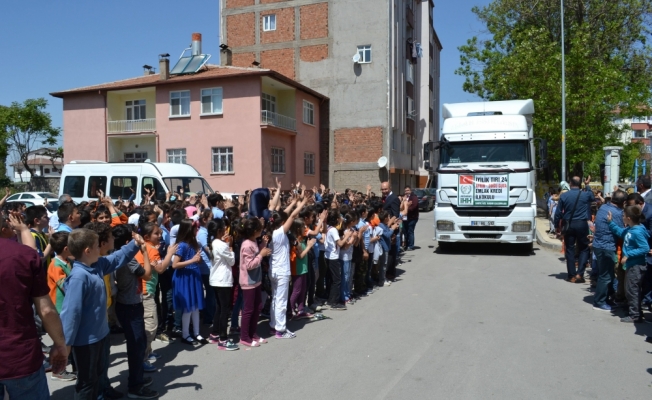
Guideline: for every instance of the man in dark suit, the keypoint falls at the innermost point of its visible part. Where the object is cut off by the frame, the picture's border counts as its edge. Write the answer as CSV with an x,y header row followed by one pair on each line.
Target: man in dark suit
x,y
391,202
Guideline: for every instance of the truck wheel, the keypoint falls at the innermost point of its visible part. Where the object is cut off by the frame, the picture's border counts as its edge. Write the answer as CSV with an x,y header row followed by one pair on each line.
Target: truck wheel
x,y
445,247
527,248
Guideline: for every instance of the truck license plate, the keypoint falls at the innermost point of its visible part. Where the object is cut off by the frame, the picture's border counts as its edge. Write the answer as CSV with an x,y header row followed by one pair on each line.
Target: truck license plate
x,y
482,223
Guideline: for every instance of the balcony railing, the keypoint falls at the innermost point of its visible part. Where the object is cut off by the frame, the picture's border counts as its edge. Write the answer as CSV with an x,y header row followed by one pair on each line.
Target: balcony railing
x,y
126,126
278,120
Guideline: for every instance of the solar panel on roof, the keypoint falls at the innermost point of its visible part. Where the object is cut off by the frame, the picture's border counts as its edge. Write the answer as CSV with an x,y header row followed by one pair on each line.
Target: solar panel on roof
x,y
189,65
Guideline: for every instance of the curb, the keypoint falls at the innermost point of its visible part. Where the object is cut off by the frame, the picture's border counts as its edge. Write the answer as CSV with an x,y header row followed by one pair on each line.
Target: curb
x,y
544,243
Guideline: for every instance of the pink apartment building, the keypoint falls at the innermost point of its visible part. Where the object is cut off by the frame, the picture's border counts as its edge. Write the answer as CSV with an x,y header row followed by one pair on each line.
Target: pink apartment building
x,y
239,127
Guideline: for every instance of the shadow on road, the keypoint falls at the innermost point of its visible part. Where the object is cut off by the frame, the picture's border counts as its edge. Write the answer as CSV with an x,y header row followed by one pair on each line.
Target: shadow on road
x,y
486,249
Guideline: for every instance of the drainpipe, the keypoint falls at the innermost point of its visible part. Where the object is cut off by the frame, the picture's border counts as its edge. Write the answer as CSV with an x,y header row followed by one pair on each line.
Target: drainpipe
x,y
106,128
390,109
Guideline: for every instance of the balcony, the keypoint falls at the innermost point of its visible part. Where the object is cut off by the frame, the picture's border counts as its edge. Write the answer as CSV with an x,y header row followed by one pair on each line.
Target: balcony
x,y
277,120
132,126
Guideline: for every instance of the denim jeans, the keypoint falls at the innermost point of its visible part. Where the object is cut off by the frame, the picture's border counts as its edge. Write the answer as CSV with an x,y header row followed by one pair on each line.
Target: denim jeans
x,y
606,261
209,300
345,292
131,319
32,387
409,232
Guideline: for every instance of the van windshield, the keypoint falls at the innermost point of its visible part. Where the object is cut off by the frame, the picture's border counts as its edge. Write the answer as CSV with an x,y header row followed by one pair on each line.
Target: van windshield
x,y
193,185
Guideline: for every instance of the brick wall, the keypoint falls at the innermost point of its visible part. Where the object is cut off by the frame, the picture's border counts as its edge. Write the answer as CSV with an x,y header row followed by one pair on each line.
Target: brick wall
x,y
314,21
240,30
270,1
357,180
284,26
239,3
243,59
358,144
281,60
314,53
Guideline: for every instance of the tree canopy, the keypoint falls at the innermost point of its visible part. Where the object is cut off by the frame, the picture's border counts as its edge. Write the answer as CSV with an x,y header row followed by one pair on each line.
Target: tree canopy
x,y
608,69
25,127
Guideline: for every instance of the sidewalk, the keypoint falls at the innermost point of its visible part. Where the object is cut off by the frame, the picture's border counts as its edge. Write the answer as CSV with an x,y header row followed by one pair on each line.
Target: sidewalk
x,y
542,237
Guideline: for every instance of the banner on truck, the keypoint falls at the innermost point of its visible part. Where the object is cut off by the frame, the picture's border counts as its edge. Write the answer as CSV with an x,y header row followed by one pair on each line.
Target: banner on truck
x,y
483,190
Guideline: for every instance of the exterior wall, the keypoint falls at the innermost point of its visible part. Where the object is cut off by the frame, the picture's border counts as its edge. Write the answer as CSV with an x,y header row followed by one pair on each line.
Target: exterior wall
x,y
307,140
313,53
241,29
237,127
280,60
314,21
284,31
84,127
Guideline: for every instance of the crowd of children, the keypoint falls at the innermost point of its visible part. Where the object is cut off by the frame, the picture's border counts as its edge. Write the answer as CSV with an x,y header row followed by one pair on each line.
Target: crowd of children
x,y
162,269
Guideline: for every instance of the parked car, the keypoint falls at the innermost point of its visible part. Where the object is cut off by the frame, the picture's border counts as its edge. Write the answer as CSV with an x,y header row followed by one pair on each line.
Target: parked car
x,y
36,199
426,200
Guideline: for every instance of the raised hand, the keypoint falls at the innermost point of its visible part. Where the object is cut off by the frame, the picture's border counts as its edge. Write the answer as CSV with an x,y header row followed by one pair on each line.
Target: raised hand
x,y
196,258
265,252
278,183
16,222
138,239
312,242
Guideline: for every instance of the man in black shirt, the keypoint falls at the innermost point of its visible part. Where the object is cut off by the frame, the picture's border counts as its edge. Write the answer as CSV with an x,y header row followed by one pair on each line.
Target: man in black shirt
x,y
575,206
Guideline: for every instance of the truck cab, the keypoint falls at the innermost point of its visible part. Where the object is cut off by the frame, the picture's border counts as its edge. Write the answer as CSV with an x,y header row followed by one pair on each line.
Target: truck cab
x,y
486,174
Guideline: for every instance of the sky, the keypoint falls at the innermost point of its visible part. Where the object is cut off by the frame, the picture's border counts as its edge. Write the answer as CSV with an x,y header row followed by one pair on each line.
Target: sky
x,y
50,46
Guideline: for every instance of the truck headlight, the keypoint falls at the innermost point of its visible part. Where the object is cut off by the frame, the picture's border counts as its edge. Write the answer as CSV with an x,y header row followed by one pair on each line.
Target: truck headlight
x,y
522,226
445,226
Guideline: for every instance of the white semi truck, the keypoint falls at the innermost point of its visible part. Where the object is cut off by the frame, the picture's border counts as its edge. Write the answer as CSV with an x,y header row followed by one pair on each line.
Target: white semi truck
x,y
486,174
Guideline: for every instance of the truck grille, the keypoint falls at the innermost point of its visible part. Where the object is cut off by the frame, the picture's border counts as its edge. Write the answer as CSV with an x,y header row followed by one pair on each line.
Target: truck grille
x,y
482,212
481,236
483,228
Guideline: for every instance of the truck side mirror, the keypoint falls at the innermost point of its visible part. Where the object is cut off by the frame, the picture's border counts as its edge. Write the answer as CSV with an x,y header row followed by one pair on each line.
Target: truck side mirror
x,y
426,165
426,150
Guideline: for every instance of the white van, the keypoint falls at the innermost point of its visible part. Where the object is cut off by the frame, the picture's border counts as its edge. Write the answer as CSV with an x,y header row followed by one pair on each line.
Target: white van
x,y
83,179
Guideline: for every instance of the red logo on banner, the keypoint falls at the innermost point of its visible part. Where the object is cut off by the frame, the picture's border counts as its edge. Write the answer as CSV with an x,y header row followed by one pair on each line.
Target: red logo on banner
x,y
466,179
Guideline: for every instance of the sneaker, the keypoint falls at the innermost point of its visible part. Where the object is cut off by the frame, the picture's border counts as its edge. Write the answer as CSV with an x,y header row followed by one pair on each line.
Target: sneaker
x,y
190,340
147,381
112,394
604,307
349,302
153,357
316,307
285,335
64,376
370,291
227,345
338,307
142,392
628,320
260,340
177,333
213,339
272,331
201,339
302,315
148,367
387,283
163,337
250,344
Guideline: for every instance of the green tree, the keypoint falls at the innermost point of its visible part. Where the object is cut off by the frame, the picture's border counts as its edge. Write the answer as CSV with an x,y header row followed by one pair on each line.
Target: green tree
x,y
24,128
608,67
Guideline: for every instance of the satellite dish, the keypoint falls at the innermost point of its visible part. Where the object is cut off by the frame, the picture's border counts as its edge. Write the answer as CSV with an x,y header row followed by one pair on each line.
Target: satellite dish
x,y
356,58
382,162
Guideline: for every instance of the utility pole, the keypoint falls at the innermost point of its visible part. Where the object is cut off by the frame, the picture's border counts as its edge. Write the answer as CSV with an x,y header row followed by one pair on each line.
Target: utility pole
x,y
563,98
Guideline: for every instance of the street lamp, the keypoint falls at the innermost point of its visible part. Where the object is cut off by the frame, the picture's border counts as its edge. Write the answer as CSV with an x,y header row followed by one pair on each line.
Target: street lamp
x,y
563,99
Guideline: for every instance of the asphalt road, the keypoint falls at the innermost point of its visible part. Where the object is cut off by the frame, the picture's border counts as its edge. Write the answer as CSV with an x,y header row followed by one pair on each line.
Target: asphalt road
x,y
482,323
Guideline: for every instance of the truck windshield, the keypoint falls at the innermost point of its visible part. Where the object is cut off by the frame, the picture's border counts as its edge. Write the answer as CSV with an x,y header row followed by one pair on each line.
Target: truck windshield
x,y
485,152
193,185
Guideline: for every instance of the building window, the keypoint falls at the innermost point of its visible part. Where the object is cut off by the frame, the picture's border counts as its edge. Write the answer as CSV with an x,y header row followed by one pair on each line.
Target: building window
x,y
268,102
410,108
409,71
136,157
47,170
211,101
278,160
365,54
308,163
639,133
269,22
180,103
136,110
308,113
177,156
222,160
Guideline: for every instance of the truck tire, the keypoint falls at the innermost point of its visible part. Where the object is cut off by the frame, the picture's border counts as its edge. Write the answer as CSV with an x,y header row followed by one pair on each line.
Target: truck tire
x,y
445,247
527,248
